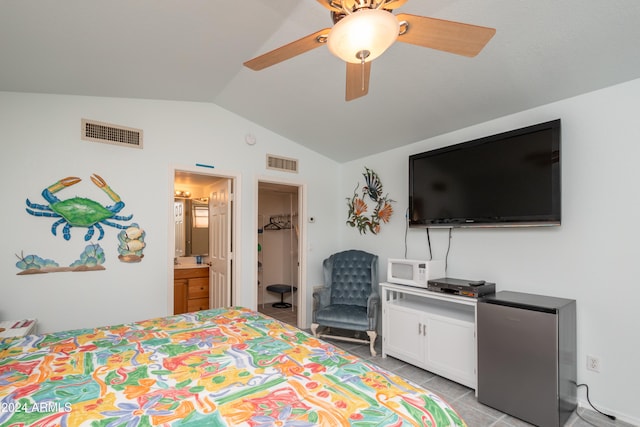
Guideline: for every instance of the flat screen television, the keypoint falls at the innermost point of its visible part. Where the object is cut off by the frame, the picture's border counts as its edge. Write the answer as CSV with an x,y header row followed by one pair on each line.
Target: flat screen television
x,y
508,179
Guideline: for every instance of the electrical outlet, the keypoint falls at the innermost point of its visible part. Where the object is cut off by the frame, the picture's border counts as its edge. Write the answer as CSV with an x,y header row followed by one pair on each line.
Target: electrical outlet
x,y
593,363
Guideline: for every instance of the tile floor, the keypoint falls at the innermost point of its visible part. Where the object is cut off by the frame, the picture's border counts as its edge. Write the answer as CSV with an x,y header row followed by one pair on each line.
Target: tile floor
x,y
286,315
462,398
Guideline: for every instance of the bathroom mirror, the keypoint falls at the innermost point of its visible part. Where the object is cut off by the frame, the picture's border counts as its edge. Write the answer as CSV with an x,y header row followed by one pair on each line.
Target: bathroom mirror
x,y
191,218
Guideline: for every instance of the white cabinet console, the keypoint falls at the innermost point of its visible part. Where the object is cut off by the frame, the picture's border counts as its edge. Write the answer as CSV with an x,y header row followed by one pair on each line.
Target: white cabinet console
x,y
431,330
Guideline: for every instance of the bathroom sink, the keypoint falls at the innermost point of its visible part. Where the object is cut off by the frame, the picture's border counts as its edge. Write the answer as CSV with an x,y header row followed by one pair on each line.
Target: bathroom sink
x,y
183,266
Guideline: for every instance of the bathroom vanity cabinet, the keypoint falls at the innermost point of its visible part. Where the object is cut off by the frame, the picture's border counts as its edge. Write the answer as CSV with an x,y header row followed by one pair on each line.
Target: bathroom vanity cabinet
x,y
190,289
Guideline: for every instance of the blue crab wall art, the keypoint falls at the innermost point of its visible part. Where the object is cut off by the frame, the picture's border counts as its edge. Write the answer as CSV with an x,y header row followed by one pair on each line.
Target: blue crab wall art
x,y
79,211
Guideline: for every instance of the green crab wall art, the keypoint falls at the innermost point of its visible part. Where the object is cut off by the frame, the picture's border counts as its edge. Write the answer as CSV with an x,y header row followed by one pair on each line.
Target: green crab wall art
x,y
79,211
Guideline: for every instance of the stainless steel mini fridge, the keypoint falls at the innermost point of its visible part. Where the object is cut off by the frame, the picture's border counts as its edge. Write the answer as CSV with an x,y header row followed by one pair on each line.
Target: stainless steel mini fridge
x,y
527,356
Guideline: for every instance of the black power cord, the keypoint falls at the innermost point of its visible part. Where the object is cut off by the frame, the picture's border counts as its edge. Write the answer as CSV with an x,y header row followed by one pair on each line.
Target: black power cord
x,y
446,257
611,417
406,231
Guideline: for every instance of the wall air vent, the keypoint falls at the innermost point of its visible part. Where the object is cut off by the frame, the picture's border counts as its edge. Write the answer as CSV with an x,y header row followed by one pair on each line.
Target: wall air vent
x,y
111,134
282,163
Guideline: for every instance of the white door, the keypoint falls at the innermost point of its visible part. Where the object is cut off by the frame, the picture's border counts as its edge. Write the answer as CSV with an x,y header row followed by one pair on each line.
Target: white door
x,y
178,219
451,348
220,244
403,330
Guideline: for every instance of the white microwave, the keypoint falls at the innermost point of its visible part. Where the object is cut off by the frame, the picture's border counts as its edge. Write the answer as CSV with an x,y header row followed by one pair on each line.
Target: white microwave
x,y
414,272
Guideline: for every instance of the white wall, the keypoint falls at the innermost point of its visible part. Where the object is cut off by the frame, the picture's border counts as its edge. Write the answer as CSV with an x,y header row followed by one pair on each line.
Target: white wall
x,y
41,144
593,257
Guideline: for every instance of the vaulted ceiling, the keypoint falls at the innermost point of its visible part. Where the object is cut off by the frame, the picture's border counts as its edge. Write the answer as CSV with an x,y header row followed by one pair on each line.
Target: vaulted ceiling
x,y
193,50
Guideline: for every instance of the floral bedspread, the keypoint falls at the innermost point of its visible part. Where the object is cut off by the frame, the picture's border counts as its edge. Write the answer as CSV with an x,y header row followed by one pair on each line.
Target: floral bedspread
x,y
218,367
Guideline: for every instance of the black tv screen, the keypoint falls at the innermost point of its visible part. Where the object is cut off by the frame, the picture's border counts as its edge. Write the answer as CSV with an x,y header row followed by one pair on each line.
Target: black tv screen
x,y
508,179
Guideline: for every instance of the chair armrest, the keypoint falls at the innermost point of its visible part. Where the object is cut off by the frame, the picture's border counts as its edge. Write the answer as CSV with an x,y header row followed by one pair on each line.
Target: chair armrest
x,y
321,297
373,302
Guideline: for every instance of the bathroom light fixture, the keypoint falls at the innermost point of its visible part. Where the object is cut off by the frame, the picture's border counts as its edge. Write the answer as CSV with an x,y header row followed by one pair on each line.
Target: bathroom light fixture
x,y
181,193
363,35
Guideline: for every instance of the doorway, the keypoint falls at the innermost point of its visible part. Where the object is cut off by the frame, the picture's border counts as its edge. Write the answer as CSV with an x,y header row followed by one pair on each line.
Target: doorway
x,y
203,241
279,290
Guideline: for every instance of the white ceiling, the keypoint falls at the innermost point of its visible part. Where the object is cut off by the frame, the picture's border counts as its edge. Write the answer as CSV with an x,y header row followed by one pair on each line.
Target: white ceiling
x,y
193,50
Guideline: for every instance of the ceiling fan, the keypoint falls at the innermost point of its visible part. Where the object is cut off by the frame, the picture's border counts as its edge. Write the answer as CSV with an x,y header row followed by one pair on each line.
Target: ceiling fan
x,y
364,29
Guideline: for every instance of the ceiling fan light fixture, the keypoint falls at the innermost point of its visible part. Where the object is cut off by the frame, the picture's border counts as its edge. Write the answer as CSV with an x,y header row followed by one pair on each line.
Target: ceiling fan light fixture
x,y
363,35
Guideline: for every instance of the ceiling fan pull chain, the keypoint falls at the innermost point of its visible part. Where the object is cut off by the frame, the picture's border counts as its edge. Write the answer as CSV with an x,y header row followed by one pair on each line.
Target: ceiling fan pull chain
x,y
362,56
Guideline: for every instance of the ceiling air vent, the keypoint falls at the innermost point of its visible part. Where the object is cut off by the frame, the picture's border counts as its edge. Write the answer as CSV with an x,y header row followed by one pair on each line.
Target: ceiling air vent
x,y
111,134
282,163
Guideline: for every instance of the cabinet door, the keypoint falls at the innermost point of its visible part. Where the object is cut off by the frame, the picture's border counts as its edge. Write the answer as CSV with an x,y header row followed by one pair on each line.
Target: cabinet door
x,y
402,335
199,288
519,346
450,349
179,296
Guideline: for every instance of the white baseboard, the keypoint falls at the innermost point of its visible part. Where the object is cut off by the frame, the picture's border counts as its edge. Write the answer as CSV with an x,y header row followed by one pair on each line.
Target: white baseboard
x,y
583,405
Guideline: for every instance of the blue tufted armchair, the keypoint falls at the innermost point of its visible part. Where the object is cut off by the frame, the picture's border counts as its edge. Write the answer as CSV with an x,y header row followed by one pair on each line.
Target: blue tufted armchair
x,y
349,298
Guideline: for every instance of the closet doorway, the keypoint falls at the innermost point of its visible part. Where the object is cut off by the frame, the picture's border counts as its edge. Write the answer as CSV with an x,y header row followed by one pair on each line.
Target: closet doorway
x,y
279,275
204,236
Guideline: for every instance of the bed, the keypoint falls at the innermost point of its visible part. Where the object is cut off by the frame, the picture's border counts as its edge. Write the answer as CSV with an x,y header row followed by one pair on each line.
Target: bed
x,y
218,367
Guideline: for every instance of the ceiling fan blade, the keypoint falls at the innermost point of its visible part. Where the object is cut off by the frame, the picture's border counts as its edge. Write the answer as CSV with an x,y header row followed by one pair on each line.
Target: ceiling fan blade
x,y
357,80
335,5
394,4
330,4
448,36
288,51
